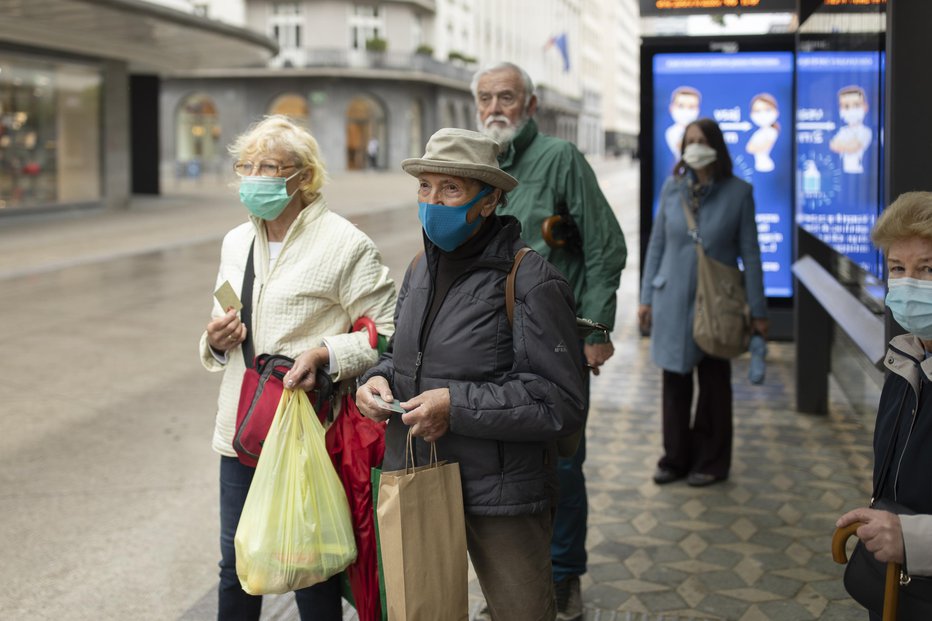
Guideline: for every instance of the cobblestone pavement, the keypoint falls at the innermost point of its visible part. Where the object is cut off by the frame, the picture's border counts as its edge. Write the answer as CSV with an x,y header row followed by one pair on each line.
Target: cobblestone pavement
x,y
753,548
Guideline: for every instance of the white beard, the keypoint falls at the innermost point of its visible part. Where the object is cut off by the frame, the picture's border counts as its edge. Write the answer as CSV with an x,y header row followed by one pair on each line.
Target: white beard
x,y
501,135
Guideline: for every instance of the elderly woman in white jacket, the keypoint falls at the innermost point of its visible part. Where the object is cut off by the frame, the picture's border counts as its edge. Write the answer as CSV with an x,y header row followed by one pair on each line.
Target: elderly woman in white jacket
x,y
315,275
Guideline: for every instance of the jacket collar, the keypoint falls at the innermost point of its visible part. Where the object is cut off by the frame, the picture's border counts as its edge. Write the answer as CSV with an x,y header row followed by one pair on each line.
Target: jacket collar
x,y
305,218
519,145
907,358
312,212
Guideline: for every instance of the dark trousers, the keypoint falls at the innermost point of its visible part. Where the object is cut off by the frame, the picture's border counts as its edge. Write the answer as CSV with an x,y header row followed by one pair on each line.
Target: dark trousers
x,y
320,602
512,561
704,446
568,546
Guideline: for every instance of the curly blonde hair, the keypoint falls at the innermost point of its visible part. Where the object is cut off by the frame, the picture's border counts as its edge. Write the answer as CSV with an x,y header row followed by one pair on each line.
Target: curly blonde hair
x,y
280,133
910,215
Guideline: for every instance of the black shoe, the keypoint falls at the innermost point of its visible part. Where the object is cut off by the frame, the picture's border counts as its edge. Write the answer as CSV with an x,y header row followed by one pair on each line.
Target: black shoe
x,y
699,479
662,476
569,599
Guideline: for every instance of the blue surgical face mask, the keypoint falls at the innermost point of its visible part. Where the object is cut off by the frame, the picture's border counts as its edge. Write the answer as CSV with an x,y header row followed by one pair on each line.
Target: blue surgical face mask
x,y
266,197
910,301
447,226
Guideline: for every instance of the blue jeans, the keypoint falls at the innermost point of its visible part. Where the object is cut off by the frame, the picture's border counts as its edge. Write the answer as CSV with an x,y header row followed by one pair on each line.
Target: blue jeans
x,y
568,545
320,602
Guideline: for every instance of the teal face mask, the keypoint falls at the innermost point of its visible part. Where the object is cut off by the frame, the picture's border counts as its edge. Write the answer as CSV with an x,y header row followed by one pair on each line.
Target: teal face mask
x,y
447,226
910,301
266,197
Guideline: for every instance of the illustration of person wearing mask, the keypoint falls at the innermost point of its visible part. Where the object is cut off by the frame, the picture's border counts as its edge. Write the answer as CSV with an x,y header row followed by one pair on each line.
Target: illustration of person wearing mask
x,y
764,114
854,137
684,109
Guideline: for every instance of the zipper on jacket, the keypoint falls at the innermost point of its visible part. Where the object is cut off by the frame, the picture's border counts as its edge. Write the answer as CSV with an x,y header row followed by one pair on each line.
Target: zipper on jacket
x,y
255,318
912,425
424,332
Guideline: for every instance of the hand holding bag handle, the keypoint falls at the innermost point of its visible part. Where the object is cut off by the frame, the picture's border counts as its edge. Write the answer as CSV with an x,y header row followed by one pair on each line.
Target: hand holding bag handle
x,y
891,591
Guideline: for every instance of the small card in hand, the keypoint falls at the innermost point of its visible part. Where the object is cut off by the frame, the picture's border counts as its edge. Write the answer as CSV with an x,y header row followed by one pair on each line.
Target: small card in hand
x,y
227,297
393,406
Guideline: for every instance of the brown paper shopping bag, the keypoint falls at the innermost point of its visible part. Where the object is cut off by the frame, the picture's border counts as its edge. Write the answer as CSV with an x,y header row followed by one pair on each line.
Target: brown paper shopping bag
x,y
422,532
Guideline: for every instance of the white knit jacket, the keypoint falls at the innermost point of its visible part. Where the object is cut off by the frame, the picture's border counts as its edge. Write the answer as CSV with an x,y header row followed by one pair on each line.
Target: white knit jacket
x,y
328,275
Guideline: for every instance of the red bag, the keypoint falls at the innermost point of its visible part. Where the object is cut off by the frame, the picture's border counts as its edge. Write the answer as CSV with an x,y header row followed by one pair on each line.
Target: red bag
x,y
357,444
258,399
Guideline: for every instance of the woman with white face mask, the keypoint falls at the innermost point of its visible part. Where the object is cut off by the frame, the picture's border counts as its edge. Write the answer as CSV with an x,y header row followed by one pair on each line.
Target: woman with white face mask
x,y
723,208
764,114
314,276
903,432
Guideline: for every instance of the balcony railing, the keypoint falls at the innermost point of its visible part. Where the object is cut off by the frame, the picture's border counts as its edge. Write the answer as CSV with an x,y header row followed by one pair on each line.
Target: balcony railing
x,y
397,61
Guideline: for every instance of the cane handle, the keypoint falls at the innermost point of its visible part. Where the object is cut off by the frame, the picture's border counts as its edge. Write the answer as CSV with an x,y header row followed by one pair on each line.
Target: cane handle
x,y
840,539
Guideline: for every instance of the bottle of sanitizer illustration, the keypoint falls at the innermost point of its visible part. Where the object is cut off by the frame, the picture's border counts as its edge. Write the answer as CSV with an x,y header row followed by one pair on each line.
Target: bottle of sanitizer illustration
x,y
812,179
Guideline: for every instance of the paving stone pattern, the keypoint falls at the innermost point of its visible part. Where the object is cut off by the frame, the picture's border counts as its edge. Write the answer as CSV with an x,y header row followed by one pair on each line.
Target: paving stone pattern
x,y
756,547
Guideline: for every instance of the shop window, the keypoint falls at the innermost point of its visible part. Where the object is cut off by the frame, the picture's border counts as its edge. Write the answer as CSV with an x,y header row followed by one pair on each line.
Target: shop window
x,y
198,149
365,134
291,105
415,129
49,132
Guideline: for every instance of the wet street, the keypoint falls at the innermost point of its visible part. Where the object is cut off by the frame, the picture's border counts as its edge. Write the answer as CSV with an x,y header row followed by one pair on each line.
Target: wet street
x,y
108,485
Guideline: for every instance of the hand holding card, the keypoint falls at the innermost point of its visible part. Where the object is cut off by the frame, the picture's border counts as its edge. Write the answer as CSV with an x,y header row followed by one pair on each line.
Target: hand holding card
x,y
393,406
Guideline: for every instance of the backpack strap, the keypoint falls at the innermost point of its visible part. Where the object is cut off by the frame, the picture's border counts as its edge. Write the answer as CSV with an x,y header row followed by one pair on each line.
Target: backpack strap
x,y
510,285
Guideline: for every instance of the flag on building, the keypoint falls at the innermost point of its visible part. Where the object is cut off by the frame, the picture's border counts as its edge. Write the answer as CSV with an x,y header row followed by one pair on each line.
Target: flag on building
x,y
559,42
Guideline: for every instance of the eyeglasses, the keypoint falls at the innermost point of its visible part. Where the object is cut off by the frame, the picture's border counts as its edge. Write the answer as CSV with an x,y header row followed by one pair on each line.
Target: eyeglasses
x,y
265,168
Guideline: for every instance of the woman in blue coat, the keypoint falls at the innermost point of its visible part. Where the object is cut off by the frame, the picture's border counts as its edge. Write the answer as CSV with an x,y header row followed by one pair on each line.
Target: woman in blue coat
x,y
723,207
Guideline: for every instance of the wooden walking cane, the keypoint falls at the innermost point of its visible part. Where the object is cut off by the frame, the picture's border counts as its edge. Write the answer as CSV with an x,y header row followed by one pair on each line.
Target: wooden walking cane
x,y
891,591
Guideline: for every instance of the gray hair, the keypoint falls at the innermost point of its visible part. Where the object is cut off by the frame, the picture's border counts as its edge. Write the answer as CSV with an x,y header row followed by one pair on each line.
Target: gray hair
x,y
504,66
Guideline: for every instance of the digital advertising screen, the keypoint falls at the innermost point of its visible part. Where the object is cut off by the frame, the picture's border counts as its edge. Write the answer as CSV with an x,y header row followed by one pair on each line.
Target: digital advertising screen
x,y
839,151
750,95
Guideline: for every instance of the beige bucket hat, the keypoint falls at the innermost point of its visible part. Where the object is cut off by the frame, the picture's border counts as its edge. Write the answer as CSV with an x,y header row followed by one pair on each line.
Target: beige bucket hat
x,y
462,153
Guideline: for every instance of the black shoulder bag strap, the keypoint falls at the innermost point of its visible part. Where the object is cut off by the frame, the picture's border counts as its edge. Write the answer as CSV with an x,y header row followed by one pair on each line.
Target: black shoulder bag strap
x,y
249,277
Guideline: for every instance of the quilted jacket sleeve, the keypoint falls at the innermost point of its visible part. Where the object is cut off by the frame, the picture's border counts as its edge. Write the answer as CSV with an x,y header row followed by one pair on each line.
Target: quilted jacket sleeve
x,y
365,291
543,397
385,365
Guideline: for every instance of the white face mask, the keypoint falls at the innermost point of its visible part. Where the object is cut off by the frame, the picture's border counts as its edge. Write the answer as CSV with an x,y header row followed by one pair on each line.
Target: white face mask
x,y
764,118
910,301
853,116
699,156
684,116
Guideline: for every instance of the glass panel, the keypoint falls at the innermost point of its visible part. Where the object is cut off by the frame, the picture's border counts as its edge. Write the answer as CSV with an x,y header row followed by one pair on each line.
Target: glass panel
x,y
199,150
49,132
840,78
291,105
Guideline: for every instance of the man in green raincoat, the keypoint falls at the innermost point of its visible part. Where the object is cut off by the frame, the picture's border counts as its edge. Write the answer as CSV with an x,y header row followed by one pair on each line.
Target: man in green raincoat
x,y
565,217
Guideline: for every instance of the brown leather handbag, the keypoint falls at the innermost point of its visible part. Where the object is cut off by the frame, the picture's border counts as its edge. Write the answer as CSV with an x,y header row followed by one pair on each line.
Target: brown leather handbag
x,y
721,317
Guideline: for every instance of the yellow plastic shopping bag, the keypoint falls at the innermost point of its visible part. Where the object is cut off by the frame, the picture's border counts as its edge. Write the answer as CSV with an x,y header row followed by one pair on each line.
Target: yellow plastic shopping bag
x,y
295,529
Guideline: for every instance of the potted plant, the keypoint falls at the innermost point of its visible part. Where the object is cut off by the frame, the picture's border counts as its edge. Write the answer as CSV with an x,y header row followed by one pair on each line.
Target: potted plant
x,y
376,44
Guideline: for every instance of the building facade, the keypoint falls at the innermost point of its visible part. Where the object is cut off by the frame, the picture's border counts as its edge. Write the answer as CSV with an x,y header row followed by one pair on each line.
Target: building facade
x,y
389,72
66,129
621,79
